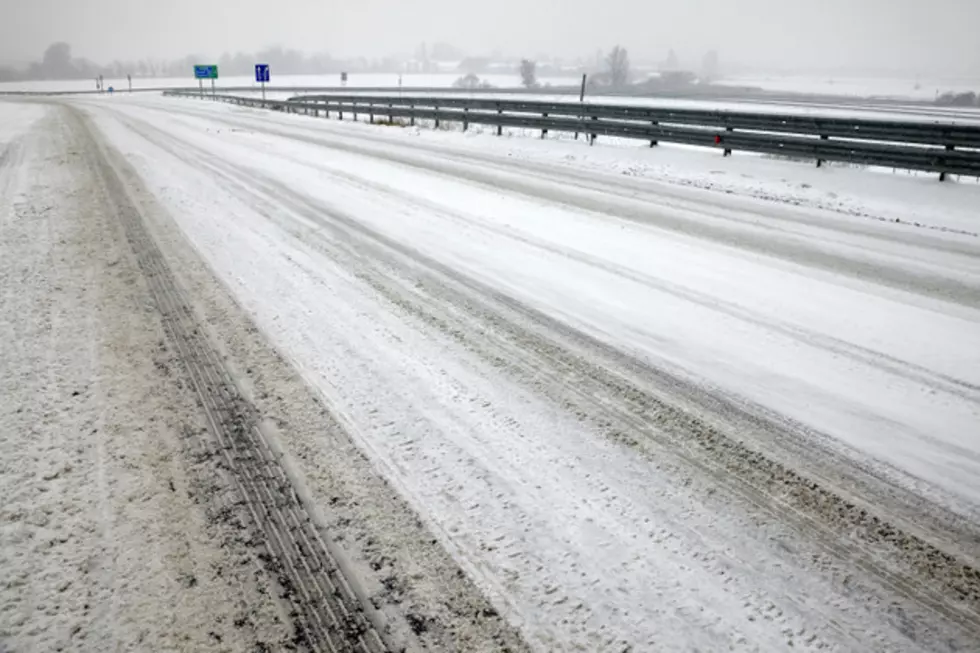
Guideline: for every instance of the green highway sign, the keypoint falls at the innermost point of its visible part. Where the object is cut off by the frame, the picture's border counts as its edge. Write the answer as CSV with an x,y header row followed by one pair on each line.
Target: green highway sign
x,y
206,72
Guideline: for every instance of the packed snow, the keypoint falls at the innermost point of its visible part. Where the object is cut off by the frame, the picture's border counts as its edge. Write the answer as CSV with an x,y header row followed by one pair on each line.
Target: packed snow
x,y
758,327
845,301
463,304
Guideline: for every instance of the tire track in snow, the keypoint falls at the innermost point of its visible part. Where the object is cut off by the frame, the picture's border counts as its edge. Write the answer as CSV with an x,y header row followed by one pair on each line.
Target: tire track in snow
x,y
489,172
759,480
251,187
830,344
890,364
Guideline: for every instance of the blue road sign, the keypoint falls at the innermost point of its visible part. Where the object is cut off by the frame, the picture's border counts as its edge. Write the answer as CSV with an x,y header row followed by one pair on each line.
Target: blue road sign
x,y
262,72
205,72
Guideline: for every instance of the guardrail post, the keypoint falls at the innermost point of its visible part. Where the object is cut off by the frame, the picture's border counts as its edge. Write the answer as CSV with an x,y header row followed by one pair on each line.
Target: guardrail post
x,y
593,136
340,110
436,109
653,142
544,132
354,111
412,119
823,137
942,174
371,113
728,151
391,118
500,128
466,118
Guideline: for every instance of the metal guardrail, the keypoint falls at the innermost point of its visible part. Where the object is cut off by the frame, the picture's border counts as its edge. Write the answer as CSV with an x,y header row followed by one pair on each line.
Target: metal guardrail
x,y
945,148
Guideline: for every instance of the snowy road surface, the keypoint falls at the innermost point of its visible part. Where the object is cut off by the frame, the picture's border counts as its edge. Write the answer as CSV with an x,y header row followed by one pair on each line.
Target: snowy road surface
x,y
646,400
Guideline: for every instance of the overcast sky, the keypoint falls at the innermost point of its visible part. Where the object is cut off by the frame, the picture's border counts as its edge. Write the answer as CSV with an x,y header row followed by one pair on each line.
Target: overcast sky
x,y
915,35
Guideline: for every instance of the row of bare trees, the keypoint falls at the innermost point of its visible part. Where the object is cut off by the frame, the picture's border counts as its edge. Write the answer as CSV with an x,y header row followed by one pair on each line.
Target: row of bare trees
x,y
617,71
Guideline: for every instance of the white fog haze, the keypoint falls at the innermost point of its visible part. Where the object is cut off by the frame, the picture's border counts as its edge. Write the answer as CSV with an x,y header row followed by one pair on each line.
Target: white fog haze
x,y
937,38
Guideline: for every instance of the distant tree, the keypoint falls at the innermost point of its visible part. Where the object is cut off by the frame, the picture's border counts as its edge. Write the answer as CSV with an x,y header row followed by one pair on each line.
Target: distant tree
x,y
529,75
9,74
951,99
471,81
422,56
710,66
56,63
618,64
474,65
84,68
967,99
675,78
672,63
446,52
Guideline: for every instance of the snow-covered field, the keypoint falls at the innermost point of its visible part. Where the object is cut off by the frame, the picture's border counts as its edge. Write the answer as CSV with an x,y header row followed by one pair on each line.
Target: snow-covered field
x,y
654,400
917,88
280,87
354,80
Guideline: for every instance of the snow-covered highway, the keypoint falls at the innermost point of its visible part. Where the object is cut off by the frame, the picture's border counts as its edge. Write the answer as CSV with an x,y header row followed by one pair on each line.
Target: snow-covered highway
x,y
634,407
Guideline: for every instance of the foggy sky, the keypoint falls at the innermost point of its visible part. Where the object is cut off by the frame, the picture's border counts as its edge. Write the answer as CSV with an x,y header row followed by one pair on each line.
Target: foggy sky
x,y
911,35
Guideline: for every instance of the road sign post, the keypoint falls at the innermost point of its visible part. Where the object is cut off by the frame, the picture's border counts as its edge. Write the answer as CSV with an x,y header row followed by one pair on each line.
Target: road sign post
x,y
262,76
206,72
